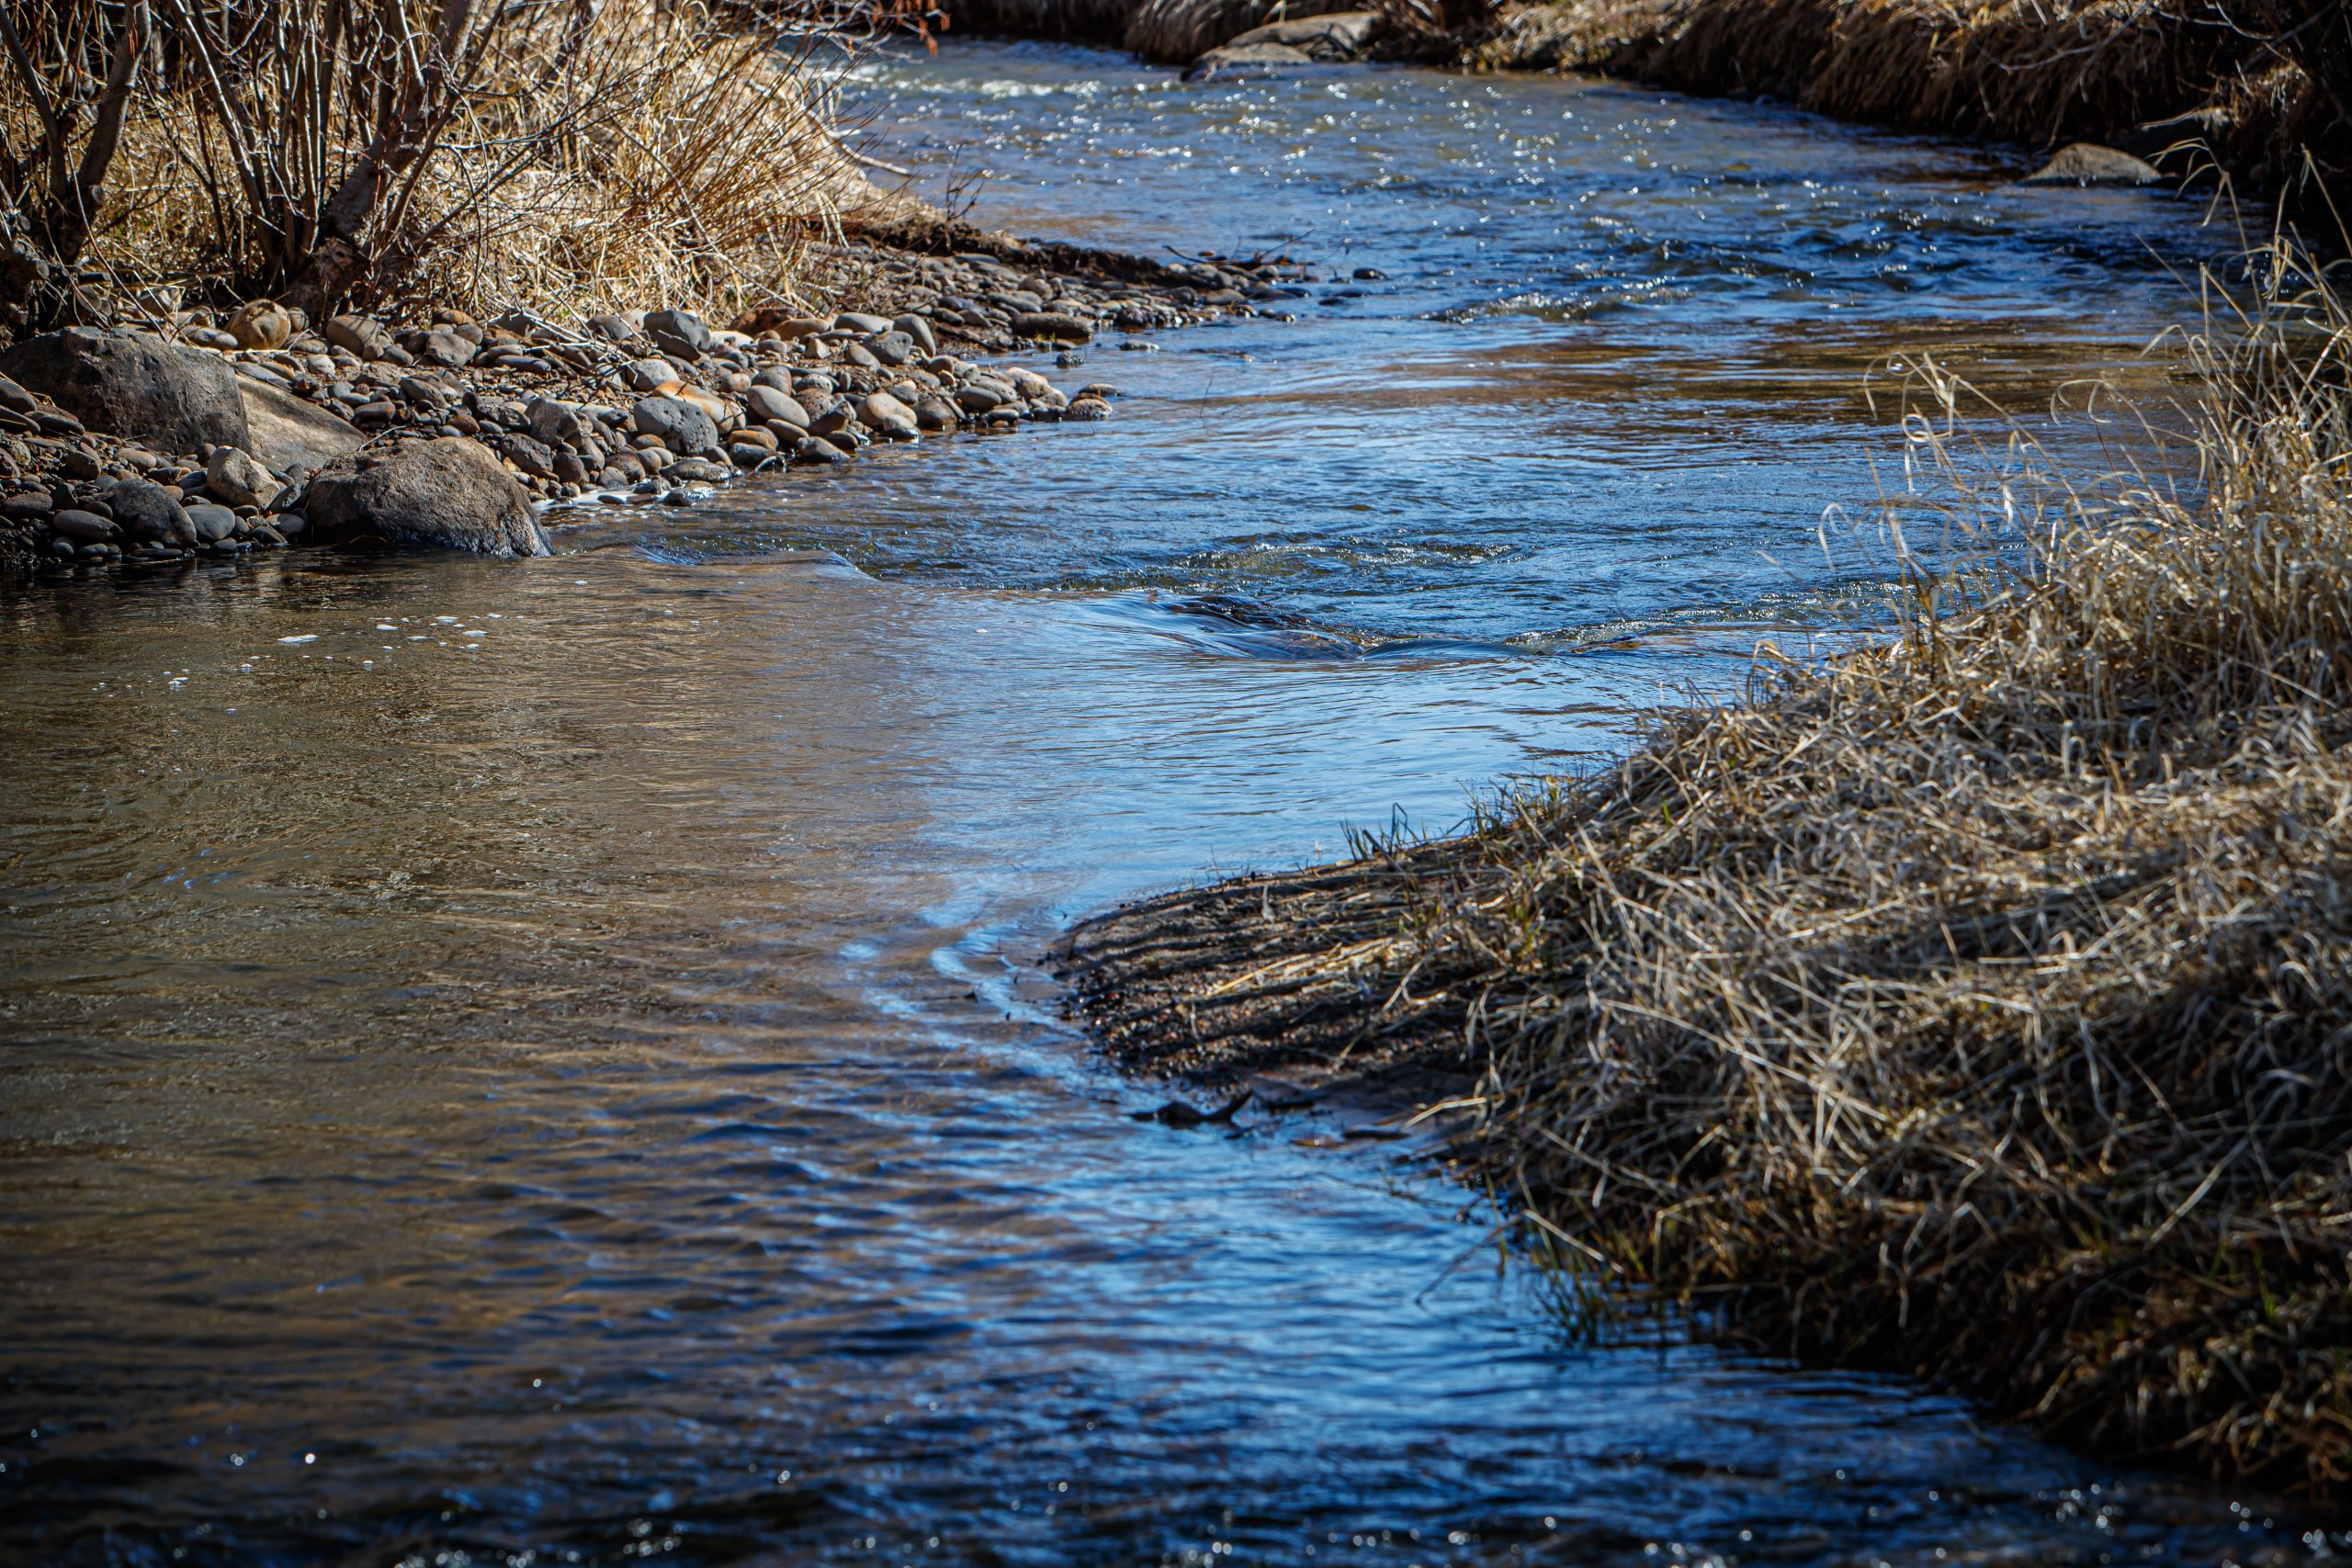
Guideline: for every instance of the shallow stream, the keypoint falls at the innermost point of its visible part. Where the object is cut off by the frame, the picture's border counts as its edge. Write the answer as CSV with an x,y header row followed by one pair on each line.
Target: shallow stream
x,y
545,1062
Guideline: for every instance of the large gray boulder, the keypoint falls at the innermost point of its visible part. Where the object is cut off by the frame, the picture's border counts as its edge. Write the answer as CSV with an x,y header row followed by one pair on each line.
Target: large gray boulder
x,y
287,433
159,394
448,493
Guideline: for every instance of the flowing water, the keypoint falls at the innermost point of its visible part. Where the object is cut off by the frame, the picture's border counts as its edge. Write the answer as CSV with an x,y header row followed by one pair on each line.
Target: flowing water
x,y
544,1062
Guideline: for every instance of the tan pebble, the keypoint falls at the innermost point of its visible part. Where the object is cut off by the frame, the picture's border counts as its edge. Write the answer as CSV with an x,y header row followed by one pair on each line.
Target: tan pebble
x,y
261,323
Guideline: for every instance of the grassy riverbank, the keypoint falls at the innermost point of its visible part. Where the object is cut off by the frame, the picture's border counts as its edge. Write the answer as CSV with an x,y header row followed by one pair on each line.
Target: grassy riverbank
x,y
1972,1006
2261,90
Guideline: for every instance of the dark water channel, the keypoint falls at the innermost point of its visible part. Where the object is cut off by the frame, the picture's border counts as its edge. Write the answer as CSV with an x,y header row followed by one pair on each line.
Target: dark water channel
x,y
539,1063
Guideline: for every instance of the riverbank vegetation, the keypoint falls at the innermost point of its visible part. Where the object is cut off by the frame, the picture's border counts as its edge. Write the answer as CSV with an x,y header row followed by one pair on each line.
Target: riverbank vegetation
x,y
2260,89
1974,1005
158,154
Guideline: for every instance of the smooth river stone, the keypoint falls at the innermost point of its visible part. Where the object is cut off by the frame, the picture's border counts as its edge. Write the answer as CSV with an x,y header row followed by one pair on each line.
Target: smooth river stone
x,y
768,402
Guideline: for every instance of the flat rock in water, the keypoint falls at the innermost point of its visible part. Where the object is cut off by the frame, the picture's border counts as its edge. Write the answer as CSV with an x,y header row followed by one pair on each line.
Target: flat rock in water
x,y
888,414
285,432
1246,60
84,528
1053,325
450,493
212,523
134,385
2087,163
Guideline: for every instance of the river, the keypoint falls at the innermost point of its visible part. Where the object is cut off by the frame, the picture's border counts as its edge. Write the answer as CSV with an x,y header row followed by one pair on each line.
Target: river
x,y
546,1061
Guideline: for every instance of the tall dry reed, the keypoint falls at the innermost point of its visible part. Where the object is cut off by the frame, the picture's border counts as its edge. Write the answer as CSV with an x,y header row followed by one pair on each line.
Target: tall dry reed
x,y
531,152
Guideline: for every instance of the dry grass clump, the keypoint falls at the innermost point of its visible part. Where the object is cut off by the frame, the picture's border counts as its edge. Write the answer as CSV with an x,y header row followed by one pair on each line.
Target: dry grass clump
x,y
527,152
1979,1006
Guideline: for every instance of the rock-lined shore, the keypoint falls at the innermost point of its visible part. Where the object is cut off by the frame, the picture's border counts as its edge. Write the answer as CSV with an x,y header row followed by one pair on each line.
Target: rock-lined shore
x,y
216,435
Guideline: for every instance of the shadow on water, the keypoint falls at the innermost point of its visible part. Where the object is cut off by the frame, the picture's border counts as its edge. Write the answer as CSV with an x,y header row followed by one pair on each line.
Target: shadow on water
x,y
544,1063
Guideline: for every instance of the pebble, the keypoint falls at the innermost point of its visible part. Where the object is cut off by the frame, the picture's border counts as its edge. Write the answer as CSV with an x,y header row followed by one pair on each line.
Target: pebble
x,y
262,323
649,375
212,523
556,424
919,331
1052,324
533,457
888,415
238,479
444,346
82,527
767,403
680,425
681,334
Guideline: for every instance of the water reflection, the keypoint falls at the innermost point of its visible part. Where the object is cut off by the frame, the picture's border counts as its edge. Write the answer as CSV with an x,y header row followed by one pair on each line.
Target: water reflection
x,y
542,1058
